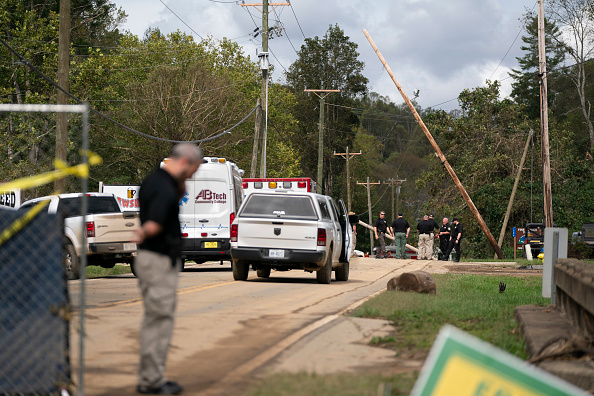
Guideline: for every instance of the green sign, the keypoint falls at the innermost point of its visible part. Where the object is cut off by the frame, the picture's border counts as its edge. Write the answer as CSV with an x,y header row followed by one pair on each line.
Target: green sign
x,y
462,365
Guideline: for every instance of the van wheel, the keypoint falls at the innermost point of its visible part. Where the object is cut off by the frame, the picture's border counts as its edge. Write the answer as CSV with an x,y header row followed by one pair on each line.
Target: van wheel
x,y
342,273
263,273
240,270
324,274
71,262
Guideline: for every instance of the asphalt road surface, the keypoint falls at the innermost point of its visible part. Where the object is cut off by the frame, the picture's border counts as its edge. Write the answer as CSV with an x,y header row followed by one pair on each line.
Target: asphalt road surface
x,y
225,331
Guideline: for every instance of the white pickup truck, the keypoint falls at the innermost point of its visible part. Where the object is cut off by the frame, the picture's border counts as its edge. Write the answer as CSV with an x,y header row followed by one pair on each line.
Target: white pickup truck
x,y
109,231
291,230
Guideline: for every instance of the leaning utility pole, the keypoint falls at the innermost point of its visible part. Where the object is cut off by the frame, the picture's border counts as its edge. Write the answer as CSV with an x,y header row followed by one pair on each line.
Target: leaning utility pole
x,y
63,81
442,157
321,93
263,134
348,156
544,119
392,182
368,186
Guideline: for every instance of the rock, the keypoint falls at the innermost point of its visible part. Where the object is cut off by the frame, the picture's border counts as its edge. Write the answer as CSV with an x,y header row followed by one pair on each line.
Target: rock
x,y
417,281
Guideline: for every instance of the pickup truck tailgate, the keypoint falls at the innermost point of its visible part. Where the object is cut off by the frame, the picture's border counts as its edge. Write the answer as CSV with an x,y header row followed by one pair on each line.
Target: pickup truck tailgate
x,y
277,234
114,227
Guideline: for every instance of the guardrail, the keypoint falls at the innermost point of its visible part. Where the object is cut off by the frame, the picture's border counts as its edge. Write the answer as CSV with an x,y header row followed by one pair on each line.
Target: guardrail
x,y
574,281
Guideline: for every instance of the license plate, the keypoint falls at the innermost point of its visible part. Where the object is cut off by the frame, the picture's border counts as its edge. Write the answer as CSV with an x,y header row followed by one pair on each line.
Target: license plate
x,y
276,253
211,245
129,247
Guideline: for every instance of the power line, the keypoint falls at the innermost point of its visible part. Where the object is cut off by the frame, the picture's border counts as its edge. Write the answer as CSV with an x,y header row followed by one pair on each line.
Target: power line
x,y
173,12
52,82
292,9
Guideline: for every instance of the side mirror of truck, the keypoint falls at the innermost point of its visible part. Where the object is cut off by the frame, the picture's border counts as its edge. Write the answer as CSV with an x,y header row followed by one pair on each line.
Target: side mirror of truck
x,y
353,219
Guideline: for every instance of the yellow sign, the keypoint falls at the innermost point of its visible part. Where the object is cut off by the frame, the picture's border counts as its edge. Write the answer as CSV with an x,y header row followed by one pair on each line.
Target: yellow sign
x,y
462,365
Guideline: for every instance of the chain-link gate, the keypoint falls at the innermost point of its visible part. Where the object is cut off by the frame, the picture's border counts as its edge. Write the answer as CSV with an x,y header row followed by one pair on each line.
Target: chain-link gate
x,y
35,312
34,308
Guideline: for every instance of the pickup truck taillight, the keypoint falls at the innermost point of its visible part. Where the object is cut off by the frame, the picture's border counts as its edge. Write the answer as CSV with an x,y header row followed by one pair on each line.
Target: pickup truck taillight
x,y
233,232
321,237
90,228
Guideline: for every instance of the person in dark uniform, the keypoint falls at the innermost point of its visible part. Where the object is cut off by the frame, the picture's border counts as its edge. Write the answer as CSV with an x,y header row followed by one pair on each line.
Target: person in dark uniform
x,y
432,234
400,230
379,228
455,239
444,237
425,229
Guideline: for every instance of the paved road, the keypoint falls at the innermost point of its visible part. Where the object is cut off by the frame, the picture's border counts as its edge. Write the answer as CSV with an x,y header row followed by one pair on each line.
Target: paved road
x,y
224,330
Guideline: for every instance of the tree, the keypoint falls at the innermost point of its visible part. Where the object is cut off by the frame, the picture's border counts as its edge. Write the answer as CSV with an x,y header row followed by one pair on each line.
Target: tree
x,y
330,62
526,86
576,19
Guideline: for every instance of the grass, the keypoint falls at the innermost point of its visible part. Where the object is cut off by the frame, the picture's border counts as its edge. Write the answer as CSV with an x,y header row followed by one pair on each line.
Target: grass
x,y
303,384
94,271
470,302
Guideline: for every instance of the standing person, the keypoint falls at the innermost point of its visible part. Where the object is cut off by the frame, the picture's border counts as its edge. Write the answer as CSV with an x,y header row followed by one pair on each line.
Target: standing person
x,y
444,237
400,230
158,262
425,229
455,239
379,228
434,226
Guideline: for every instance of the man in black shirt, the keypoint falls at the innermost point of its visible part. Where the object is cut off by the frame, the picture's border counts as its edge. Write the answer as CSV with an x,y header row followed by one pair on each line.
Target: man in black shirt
x,y
158,263
399,230
455,239
435,226
379,228
425,229
444,237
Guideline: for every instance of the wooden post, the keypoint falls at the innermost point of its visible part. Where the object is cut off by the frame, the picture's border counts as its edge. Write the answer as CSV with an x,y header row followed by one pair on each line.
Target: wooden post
x,y
63,81
368,186
513,194
348,156
442,157
544,119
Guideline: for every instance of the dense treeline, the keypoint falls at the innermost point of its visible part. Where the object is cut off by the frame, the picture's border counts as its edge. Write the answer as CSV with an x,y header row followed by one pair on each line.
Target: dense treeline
x,y
171,86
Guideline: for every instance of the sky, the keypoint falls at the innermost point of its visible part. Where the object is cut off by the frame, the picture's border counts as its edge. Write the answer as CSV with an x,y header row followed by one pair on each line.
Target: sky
x,y
437,47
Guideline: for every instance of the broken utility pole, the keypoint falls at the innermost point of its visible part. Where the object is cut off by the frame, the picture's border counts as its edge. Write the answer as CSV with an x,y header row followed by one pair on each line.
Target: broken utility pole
x,y
442,157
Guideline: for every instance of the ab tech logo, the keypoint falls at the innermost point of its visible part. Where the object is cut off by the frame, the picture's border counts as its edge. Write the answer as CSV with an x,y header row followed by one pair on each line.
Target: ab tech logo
x,y
184,199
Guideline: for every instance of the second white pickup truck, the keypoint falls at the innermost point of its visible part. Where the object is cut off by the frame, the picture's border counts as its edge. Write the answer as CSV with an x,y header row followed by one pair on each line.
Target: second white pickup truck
x,y
290,230
109,231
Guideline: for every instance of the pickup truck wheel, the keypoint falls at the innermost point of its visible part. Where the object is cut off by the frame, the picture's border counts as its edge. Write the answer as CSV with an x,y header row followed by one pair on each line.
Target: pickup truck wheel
x,y
240,270
342,272
324,274
263,273
132,268
71,262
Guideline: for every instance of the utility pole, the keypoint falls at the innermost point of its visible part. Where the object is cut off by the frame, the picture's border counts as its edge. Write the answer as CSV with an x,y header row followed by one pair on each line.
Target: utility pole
x,y
348,156
63,81
263,134
438,151
321,93
393,182
544,119
368,186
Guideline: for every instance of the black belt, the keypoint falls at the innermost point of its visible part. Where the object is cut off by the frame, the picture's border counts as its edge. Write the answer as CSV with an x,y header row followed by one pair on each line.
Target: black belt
x,y
425,233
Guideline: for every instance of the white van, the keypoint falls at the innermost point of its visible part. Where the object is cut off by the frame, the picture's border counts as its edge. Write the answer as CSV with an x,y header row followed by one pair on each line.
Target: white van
x,y
209,206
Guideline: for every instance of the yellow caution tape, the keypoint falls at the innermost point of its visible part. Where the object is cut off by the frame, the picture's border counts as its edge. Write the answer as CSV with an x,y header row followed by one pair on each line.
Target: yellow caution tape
x,y
22,221
62,170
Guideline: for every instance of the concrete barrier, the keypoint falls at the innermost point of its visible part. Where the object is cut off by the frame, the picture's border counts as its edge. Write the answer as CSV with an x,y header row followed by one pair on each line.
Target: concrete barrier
x,y
574,281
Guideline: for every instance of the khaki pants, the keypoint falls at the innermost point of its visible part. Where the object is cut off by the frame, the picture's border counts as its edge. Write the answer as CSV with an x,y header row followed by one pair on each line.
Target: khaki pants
x,y
157,279
424,253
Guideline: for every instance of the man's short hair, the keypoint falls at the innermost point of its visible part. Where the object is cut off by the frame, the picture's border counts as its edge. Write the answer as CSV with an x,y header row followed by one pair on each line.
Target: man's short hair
x,y
455,219
189,151
425,217
400,214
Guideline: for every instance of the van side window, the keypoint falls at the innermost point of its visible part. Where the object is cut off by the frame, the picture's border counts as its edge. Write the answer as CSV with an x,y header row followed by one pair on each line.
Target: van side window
x,y
324,209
